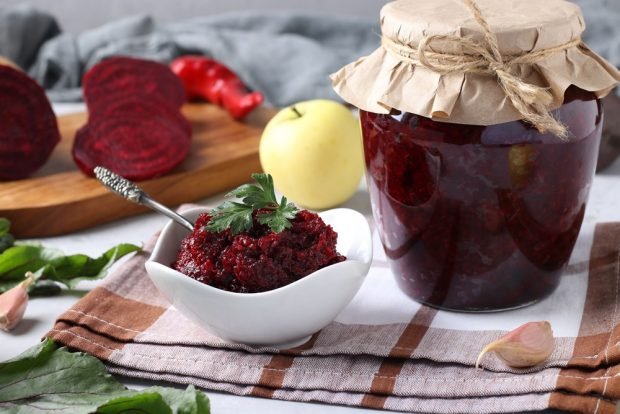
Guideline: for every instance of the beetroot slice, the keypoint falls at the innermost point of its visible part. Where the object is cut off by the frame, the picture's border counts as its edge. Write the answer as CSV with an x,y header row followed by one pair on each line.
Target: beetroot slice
x,y
135,126
139,106
28,128
124,76
133,146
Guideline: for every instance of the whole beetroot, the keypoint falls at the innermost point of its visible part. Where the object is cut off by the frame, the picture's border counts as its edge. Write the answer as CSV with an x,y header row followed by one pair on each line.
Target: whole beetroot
x,y
28,128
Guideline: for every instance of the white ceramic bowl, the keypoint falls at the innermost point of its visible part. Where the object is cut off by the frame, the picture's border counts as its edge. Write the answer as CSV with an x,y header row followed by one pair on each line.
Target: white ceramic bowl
x,y
283,317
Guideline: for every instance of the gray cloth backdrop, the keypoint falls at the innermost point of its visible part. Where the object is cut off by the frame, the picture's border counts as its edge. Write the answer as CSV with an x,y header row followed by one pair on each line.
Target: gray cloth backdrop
x,y
287,56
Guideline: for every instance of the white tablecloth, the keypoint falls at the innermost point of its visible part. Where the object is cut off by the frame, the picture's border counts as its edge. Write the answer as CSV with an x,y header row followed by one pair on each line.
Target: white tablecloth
x,y
42,312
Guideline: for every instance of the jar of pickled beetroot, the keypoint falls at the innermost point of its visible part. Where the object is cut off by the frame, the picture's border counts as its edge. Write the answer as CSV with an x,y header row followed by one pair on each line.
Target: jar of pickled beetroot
x,y
481,124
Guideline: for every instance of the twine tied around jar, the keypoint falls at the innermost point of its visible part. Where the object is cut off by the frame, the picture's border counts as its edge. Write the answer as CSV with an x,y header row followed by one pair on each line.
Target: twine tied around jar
x,y
531,101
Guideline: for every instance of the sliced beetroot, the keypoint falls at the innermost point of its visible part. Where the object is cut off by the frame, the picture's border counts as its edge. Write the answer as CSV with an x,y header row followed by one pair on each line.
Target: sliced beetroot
x,y
135,126
124,76
28,128
134,146
129,104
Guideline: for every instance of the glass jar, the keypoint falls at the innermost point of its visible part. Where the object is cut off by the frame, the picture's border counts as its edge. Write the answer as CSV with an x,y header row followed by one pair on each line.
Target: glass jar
x,y
480,218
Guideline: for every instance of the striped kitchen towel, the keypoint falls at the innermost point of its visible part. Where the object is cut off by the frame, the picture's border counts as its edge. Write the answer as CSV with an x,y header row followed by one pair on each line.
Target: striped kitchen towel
x,y
383,351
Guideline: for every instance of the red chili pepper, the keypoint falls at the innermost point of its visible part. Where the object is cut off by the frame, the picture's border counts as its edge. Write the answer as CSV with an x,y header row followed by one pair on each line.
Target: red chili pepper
x,y
208,79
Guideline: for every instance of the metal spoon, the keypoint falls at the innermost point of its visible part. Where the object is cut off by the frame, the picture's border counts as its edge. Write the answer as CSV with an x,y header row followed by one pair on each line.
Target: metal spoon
x,y
130,191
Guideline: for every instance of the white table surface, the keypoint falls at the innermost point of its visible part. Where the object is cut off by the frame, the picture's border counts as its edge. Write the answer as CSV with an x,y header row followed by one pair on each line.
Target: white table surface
x,y
42,312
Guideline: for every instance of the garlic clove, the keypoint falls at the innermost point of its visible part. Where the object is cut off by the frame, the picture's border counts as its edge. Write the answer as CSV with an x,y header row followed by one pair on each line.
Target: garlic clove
x,y
526,346
13,304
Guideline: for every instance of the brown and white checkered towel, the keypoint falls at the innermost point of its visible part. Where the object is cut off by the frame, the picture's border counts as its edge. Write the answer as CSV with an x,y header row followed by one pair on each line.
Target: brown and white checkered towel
x,y
383,351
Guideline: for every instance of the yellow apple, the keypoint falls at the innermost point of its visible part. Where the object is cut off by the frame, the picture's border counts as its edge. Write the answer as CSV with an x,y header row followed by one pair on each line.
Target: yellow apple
x,y
313,150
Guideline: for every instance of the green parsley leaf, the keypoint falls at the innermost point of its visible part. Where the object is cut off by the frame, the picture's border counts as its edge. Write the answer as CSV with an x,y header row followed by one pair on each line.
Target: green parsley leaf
x,y
237,216
261,196
279,219
47,379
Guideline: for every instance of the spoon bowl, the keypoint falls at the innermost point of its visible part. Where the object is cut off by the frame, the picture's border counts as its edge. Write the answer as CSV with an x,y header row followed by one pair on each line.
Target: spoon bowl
x,y
283,317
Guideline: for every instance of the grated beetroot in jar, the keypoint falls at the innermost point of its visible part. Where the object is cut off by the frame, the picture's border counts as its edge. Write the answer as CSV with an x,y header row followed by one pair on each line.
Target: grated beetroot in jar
x,y
481,129
258,260
480,217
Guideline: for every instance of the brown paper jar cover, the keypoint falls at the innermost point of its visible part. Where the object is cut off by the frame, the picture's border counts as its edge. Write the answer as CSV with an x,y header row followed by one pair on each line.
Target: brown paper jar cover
x,y
384,81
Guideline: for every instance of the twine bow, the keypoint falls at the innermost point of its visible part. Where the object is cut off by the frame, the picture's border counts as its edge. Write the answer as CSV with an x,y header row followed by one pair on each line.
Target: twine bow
x,y
531,101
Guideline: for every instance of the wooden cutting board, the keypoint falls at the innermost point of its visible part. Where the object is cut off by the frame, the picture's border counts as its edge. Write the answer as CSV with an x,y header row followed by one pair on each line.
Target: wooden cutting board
x,y
59,199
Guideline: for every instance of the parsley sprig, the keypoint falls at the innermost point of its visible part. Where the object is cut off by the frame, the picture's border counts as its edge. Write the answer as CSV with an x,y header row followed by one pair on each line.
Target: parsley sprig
x,y
237,216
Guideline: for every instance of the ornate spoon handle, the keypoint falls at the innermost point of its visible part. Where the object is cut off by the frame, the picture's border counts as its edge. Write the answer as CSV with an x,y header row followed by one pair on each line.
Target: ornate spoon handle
x,y
130,191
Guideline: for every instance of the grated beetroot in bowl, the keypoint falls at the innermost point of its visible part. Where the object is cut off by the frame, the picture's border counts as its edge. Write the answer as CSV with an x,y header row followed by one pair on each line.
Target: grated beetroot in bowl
x,y
258,260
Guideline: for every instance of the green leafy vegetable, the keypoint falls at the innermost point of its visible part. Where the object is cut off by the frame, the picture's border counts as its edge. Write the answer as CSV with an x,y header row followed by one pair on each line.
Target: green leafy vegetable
x,y
237,216
6,239
70,270
5,226
46,379
51,266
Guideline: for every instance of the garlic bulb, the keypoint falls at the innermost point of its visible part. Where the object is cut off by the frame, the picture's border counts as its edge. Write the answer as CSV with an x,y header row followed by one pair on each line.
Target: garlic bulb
x,y
526,346
13,304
